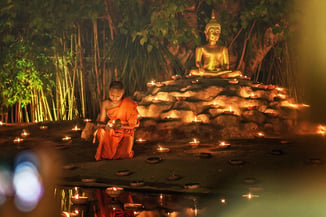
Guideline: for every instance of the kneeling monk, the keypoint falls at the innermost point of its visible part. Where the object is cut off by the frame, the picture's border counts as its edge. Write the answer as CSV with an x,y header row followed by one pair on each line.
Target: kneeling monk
x,y
116,138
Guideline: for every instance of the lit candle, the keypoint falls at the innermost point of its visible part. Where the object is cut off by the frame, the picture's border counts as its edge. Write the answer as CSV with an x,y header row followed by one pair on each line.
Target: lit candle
x,y
253,96
250,196
194,142
77,199
223,144
223,200
245,77
229,112
69,214
1,123
18,140
151,83
156,100
113,191
175,77
252,107
259,135
43,127
233,81
321,130
196,120
195,81
87,120
76,128
24,133
162,149
66,138
140,140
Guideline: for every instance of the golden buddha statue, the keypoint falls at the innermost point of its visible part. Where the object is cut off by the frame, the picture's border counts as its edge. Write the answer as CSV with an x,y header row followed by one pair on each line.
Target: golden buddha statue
x,y
212,59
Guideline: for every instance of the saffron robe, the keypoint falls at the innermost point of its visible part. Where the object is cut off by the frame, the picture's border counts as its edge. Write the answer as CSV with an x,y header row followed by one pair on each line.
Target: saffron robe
x,y
117,144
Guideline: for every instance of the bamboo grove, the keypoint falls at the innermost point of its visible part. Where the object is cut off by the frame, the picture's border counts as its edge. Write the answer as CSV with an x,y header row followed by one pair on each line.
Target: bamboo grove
x,y
58,56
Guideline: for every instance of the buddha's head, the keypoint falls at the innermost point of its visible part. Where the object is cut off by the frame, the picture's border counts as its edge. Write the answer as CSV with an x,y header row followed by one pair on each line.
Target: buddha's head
x,y
212,29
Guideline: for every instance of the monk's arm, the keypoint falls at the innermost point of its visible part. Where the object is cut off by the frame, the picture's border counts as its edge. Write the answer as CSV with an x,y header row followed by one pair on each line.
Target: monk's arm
x,y
102,116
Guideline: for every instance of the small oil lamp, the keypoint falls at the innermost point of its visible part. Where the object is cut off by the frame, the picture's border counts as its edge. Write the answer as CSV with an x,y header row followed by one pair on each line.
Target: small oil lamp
x,y
43,127
24,133
195,81
18,140
77,199
189,75
113,191
245,77
233,81
196,120
151,83
162,149
321,130
87,120
229,112
140,140
253,96
1,123
176,77
252,107
250,195
76,128
156,100
66,138
223,144
194,142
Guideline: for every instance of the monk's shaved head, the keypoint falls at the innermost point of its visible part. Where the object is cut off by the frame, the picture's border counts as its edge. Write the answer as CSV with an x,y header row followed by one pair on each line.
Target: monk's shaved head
x,y
117,85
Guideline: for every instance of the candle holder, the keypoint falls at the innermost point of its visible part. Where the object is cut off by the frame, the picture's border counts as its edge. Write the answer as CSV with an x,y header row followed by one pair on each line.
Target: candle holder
x,y
43,127
153,160
162,149
18,140
76,128
123,173
24,133
191,185
113,191
70,214
233,81
141,140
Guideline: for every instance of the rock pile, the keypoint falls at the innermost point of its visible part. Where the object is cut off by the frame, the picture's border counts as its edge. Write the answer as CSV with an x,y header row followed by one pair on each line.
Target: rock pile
x,y
210,108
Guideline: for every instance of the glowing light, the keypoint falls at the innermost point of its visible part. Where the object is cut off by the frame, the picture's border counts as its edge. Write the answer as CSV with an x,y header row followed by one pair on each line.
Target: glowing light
x,y
156,100
250,196
223,144
18,140
87,120
194,142
140,140
223,200
113,191
43,127
151,83
76,128
229,111
162,149
321,129
25,133
195,81
77,199
233,81
1,123
259,134
196,120
66,138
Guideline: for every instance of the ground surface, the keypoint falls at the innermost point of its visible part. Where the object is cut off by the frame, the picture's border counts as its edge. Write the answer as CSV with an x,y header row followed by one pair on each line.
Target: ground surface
x,y
287,173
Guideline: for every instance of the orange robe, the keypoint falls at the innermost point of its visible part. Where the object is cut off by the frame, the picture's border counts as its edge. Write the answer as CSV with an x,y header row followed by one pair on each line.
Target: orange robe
x,y
117,144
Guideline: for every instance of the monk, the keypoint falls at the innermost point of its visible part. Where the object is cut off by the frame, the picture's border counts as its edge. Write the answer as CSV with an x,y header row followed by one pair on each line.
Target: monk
x,y
116,141
213,59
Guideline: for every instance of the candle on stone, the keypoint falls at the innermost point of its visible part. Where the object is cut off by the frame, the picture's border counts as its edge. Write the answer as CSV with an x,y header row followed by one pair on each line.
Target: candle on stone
x,y
76,128
249,195
18,140
224,144
229,112
196,120
66,138
87,120
233,81
151,83
195,81
70,214
43,127
162,149
194,142
24,133
253,96
140,140
77,199
113,191
156,100
259,135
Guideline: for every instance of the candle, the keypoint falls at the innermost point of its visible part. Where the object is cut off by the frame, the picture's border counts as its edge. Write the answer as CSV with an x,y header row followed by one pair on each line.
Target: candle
x,y
189,75
229,112
24,133
162,149
156,100
250,196
223,144
196,120
87,120
233,81
66,138
195,81
259,135
77,199
175,77
76,128
43,127
253,107
113,191
253,96
1,123
245,77
18,140
194,142
69,214
151,83
140,140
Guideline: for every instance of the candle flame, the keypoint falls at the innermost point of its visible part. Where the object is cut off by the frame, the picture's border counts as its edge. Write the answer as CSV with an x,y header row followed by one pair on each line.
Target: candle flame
x,y
76,196
321,129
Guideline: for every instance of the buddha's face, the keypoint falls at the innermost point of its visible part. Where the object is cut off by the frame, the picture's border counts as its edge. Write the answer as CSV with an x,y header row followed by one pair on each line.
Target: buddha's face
x,y
213,34
116,95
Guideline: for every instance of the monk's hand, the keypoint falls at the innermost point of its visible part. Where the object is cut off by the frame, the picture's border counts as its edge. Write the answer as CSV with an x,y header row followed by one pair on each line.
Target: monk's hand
x,y
117,124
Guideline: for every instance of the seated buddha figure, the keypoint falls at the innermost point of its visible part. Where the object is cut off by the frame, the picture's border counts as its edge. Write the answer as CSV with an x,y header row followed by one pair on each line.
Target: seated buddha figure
x,y
213,59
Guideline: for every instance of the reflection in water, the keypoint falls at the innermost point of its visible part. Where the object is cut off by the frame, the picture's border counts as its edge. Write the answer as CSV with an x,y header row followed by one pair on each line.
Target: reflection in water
x,y
128,204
